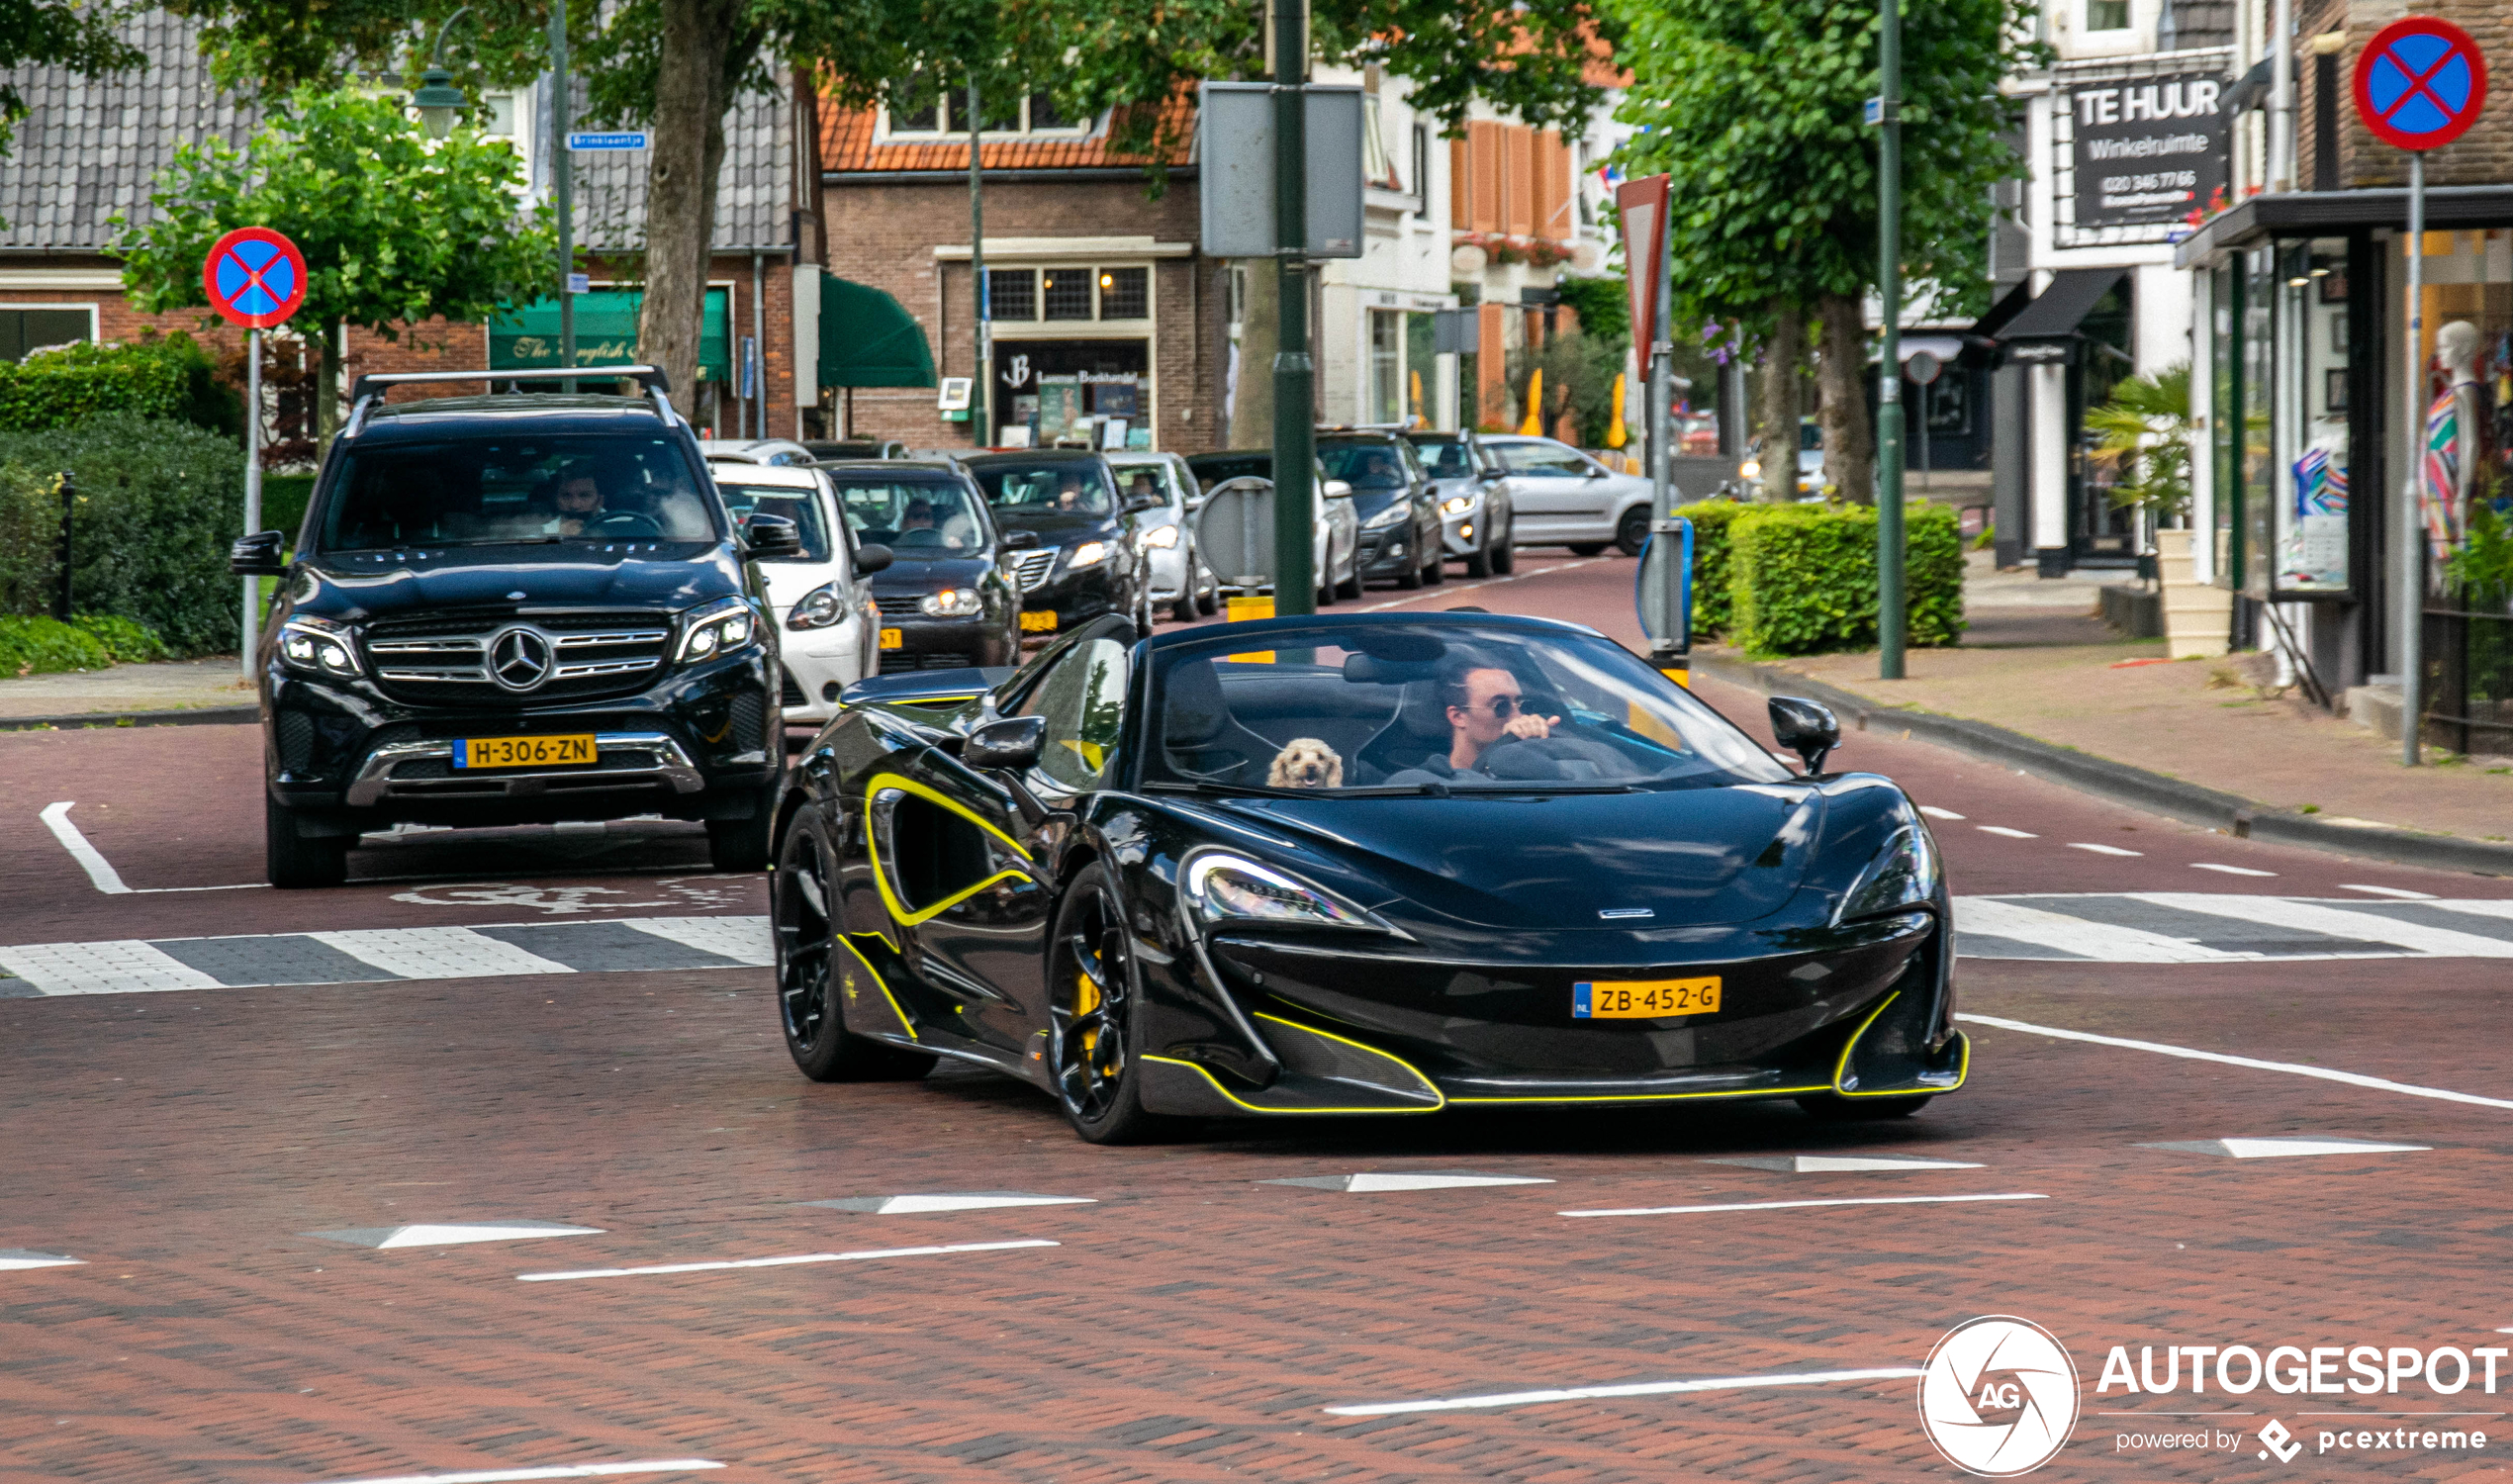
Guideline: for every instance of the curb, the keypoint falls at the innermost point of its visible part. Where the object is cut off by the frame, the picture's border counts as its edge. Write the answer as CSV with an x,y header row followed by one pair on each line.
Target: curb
x,y
86,720
2230,813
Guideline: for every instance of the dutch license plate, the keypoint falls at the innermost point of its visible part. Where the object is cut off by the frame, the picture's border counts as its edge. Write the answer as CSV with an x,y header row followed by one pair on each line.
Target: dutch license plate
x,y
523,752
893,638
1643,999
1038,624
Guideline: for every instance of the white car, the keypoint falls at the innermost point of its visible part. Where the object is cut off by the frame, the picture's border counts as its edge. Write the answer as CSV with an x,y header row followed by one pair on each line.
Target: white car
x,y
777,451
822,597
1560,497
1179,576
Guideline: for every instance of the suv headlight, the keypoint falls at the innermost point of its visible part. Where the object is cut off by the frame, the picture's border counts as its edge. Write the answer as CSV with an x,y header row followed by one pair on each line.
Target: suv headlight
x,y
952,603
1456,505
1163,537
822,607
1902,876
1224,888
718,628
1088,554
318,646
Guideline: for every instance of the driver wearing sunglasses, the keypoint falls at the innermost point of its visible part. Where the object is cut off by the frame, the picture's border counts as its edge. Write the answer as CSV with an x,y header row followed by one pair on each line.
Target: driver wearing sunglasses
x,y
1486,708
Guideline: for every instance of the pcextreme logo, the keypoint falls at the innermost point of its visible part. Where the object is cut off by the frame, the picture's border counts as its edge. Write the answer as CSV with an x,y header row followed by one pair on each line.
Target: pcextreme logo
x,y
1998,1396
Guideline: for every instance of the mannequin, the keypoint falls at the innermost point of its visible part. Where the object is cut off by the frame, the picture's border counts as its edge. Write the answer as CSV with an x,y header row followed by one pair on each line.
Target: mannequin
x,y
2455,425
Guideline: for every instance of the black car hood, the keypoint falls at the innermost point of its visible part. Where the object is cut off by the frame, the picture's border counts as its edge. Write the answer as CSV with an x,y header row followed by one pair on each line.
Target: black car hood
x,y
1056,527
1550,863
1368,502
357,587
931,574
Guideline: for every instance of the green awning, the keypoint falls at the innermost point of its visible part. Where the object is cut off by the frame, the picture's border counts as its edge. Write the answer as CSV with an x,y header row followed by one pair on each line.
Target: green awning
x,y
605,333
867,339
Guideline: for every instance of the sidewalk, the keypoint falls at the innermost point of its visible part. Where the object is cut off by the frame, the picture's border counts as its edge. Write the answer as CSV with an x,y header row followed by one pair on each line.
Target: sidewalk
x,y
212,684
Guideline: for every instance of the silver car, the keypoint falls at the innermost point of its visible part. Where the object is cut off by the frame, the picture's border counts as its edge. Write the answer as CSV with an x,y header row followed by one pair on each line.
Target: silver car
x,y
1475,516
1563,498
1179,576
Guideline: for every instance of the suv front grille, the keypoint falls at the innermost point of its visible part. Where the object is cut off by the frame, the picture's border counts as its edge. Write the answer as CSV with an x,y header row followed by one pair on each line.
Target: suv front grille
x,y
1030,569
445,661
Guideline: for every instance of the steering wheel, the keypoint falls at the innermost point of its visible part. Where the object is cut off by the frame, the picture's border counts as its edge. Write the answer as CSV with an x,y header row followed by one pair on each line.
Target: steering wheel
x,y
626,524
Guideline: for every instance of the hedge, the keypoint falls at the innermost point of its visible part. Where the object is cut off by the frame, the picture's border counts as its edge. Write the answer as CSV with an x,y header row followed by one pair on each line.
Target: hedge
x,y
158,503
1801,578
169,377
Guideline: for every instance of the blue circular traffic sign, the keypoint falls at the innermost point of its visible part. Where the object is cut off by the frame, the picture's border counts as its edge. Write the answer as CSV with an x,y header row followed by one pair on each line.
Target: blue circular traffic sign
x,y
2420,83
255,277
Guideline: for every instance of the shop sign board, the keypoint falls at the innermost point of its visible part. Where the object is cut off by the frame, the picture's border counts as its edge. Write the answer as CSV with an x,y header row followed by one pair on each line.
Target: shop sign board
x,y
2148,150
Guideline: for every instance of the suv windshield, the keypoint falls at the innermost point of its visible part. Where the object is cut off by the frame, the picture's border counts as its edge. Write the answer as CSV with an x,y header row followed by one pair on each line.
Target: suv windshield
x,y
800,507
1430,708
922,518
1447,457
1068,487
597,486
1364,463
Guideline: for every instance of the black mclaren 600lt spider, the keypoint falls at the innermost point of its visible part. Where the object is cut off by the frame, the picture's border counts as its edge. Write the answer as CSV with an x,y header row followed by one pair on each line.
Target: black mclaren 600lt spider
x,y
1383,863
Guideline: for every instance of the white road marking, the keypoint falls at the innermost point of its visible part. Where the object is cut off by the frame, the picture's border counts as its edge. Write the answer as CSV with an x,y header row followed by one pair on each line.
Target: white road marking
x,y
919,1205
1446,591
452,1234
101,872
1838,1164
2289,1148
669,1268
1934,812
2104,850
437,952
123,966
2076,935
1363,1184
556,1471
2391,892
744,940
16,1260
1871,1200
2228,869
2336,922
1630,1388
2325,1073
2000,829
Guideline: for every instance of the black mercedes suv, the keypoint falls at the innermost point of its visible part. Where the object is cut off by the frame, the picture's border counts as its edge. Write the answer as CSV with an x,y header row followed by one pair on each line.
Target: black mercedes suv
x,y
515,610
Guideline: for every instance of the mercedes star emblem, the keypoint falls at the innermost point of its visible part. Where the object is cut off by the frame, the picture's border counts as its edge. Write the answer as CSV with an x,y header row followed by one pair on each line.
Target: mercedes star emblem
x,y
519,658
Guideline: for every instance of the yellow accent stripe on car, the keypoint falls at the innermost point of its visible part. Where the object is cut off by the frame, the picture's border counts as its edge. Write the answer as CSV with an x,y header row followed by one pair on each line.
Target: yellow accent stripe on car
x,y
1651,1097
899,911
1259,1108
881,984
1411,1070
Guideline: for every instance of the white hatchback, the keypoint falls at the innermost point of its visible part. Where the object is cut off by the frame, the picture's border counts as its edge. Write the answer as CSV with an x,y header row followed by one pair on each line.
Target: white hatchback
x,y
822,599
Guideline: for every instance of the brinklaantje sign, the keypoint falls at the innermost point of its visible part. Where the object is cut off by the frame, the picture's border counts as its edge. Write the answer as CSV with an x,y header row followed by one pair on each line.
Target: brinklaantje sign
x,y
2149,150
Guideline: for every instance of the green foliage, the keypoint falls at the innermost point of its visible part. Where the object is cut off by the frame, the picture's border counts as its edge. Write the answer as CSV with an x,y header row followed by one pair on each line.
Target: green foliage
x,y
157,504
2482,567
55,33
169,377
284,501
1713,606
2147,427
1755,106
1579,379
1604,306
1801,578
48,646
127,641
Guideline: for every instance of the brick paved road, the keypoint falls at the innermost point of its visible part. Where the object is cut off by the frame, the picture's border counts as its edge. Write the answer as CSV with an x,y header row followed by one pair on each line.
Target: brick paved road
x,y
1194,1322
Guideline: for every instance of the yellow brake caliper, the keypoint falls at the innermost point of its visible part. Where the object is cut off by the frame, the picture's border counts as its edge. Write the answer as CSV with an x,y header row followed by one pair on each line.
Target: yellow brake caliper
x,y
1085,1000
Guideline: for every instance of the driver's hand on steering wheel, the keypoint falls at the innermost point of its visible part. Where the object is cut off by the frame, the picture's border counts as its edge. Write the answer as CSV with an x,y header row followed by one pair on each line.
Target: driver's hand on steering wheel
x,y
1529,727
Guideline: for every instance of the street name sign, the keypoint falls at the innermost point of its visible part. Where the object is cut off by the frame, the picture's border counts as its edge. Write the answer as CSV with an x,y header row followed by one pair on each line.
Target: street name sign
x,y
617,139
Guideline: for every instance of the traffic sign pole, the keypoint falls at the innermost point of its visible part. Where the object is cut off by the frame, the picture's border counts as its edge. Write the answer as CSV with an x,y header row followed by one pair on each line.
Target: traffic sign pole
x,y
253,488
1889,621
254,278
2411,610
563,190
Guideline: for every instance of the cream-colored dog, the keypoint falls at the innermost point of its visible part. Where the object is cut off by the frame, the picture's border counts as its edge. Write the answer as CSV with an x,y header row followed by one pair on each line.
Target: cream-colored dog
x,y
1306,763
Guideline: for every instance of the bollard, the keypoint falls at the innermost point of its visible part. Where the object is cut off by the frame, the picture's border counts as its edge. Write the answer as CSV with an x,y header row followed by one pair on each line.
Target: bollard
x,y
61,591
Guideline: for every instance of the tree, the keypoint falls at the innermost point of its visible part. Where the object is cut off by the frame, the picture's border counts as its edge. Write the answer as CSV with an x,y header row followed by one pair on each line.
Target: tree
x,y
2147,427
1755,108
58,34
396,229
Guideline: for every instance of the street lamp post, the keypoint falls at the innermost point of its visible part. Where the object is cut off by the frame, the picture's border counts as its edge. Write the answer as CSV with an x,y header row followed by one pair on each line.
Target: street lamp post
x,y
981,431
439,101
1890,614
1295,430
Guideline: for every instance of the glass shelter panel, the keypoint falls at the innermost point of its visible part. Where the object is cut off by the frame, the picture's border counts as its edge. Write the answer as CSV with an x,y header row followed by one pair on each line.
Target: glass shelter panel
x,y
2309,436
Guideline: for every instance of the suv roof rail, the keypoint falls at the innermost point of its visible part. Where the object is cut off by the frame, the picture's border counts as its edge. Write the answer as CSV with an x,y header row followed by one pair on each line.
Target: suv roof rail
x,y
648,378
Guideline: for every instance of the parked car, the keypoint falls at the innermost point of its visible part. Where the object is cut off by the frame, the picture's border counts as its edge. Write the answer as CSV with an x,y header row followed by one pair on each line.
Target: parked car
x,y
820,597
1563,498
1166,535
1393,497
777,451
855,448
945,601
511,609
1087,562
1474,501
1336,530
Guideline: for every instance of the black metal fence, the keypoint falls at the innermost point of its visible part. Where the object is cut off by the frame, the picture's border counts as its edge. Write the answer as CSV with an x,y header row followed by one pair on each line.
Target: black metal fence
x,y
2468,682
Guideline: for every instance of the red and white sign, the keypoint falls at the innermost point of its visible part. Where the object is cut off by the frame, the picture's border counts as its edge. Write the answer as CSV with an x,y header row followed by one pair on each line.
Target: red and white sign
x,y
2420,83
255,278
1642,204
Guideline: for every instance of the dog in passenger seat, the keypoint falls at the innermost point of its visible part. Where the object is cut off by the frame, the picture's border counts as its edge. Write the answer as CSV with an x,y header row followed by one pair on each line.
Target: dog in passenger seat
x,y
1306,763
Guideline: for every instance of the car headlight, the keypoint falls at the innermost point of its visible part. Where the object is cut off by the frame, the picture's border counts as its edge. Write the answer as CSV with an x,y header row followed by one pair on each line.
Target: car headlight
x,y
1163,537
318,646
718,628
1229,889
1088,554
822,607
1902,876
952,603
1750,469
1397,513
1456,505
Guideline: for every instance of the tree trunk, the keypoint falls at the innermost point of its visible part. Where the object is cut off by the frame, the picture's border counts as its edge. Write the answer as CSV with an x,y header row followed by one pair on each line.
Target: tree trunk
x,y
326,386
680,167
1260,334
1849,439
1783,352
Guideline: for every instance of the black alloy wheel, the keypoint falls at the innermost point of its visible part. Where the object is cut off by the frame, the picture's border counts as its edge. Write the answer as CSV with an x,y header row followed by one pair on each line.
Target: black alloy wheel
x,y
1436,570
1410,579
808,973
1479,560
1631,533
1090,1015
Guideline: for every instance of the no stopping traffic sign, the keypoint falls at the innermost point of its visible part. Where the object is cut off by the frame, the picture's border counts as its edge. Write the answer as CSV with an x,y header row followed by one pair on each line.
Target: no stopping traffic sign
x,y
255,277
2420,83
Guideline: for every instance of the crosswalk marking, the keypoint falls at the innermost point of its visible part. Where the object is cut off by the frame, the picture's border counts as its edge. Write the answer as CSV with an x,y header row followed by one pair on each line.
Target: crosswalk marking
x,y
123,965
2195,927
437,952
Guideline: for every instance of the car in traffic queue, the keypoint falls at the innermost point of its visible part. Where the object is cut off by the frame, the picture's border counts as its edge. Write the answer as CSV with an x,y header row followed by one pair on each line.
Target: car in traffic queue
x,y
1398,513
780,452
1166,535
1087,561
946,599
1562,497
1474,500
522,608
820,597
1335,527
854,448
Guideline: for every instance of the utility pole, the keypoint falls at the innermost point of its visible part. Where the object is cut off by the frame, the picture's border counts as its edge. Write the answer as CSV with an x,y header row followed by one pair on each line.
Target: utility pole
x,y
981,431
563,189
1295,432
1887,116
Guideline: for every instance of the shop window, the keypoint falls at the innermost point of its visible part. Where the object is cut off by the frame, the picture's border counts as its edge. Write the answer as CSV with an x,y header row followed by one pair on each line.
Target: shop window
x,y
28,330
1012,294
1421,371
1066,293
1125,293
2106,14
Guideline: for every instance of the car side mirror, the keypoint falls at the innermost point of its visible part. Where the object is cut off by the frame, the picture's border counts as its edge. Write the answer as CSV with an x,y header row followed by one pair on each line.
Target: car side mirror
x,y
1595,472
772,536
1336,489
1805,728
259,555
873,558
1019,540
1011,744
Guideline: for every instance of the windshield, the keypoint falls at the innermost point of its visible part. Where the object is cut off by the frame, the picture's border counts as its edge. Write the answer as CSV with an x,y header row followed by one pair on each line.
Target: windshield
x,y
1447,457
915,518
801,507
1364,463
595,487
1153,479
1448,708
1069,487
